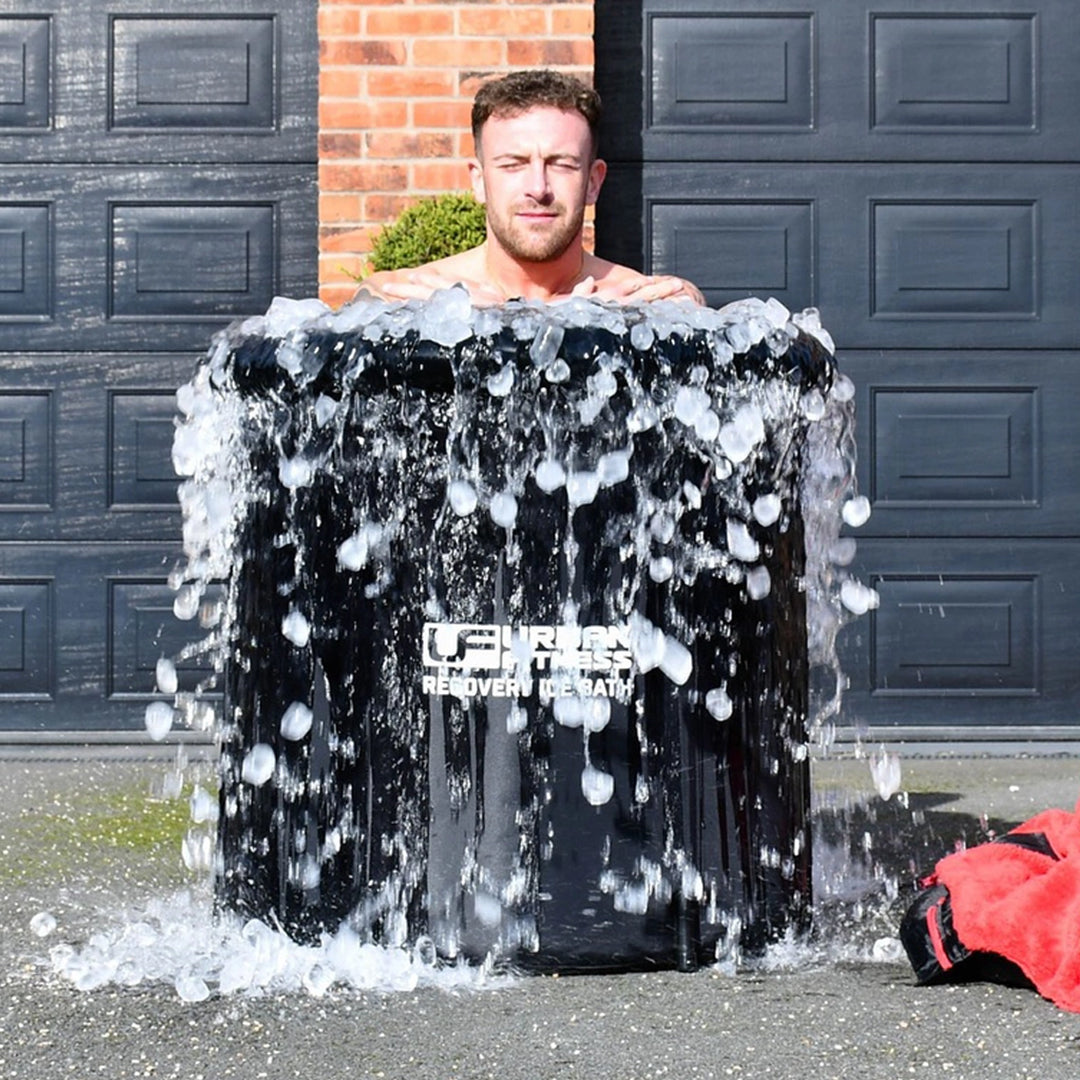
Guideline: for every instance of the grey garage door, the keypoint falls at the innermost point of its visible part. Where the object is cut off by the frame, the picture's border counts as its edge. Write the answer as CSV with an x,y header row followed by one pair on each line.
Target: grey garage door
x,y
911,170
157,179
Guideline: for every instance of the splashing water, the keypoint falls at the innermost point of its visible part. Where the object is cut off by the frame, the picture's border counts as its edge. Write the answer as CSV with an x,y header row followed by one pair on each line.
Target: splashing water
x,y
522,608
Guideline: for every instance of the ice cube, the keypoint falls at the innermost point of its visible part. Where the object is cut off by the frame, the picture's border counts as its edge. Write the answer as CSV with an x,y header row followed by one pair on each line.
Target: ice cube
x,y
758,582
858,598
487,909
295,472
766,509
462,497
718,704
204,806
856,511
446,316
296,628
676,662
43,924
885,771
165,676
661,569
159,719
843,389
500,384
296,721
597,786
642,336
355,553
186,602
582,487
258,765
557,372
325,408
613,467
192,988
504,509
740,543
691,402
545,345
549,475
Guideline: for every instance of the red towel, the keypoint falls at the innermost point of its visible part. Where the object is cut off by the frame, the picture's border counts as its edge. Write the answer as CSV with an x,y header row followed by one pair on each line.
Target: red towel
x,y
1023,902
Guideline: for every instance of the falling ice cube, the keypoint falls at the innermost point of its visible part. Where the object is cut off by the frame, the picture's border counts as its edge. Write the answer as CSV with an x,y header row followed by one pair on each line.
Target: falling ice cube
x,y
856,511
766,509
462,497
500,384
596,785
885,771
549,475
296,628
740,543
758,582
858,598
296,721
165,674
504,509
159,720
718,704
258,765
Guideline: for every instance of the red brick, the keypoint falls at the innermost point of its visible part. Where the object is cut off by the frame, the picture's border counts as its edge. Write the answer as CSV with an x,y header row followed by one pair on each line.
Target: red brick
x,y
439,176
453,113
385,207
381,176
458,52
347,52
339,83
508,23
339,21
552,52
572,21
397,144
412,23
345,208
340,144
410,83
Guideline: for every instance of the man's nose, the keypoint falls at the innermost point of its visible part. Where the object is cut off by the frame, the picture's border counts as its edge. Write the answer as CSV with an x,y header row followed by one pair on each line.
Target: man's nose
x,y
537,185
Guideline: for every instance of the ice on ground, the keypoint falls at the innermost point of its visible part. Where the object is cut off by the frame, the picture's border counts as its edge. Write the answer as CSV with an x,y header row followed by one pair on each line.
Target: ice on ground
x,y
177,942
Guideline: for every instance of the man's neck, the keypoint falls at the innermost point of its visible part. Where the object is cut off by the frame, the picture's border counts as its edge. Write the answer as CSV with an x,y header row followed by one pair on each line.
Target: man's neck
x,y
534,280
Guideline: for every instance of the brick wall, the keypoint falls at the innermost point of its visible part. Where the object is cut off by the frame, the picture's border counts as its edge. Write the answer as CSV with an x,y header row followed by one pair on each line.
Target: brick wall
x,y
395,89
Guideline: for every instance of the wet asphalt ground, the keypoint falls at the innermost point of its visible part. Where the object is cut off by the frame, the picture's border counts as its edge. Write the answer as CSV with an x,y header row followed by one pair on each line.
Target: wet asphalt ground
x,y
70,844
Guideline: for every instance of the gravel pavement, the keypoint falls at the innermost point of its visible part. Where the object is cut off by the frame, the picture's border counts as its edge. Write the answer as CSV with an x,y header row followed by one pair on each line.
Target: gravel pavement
x,y
70,848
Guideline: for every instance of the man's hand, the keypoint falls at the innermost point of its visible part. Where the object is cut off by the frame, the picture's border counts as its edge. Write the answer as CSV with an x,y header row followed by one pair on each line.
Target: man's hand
x,y
639,289
419,283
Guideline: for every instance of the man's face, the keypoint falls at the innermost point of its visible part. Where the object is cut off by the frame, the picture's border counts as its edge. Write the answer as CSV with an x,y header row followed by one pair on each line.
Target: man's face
x,y
535,174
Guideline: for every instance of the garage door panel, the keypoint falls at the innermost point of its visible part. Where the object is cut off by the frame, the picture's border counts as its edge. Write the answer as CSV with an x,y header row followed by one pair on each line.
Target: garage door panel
x,y
893,256
82,627
968,443
753,80
966,633
86,445
78,81
110,259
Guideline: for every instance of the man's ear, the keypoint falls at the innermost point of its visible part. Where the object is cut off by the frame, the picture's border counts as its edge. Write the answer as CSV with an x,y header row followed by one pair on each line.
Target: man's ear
x,y
597,172
476,175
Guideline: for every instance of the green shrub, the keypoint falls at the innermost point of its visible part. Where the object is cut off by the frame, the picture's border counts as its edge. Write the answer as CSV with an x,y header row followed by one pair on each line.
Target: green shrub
x,y
430,229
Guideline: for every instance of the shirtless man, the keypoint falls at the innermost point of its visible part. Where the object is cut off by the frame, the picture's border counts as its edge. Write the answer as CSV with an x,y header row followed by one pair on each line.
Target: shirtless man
x,y
535,171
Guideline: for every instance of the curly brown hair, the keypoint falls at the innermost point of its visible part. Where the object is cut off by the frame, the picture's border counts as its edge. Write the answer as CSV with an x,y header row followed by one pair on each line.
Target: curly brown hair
x,y
521,91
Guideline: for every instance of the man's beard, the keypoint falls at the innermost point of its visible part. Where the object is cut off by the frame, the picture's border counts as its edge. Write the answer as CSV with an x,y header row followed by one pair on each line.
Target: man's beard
x,y
537,247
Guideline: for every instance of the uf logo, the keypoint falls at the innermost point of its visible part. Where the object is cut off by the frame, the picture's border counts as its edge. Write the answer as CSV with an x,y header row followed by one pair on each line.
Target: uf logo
x,y
475,646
